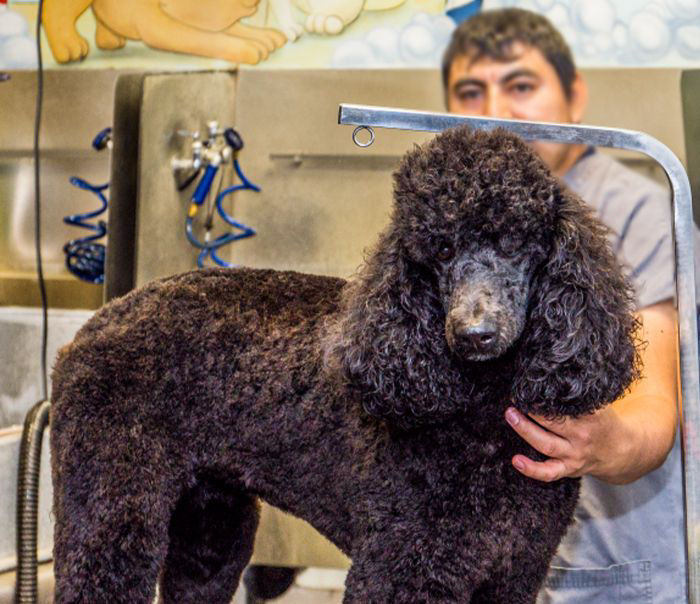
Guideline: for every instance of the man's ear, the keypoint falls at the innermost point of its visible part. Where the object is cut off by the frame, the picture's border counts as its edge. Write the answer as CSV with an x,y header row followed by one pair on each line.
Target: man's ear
x,y
579,98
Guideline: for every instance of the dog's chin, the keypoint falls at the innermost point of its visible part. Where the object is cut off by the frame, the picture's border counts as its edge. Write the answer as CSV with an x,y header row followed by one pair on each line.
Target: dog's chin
x,y
479,357
476,356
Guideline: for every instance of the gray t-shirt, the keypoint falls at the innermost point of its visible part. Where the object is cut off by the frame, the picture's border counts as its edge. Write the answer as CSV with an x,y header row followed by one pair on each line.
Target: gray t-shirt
x,y
638,211
627,542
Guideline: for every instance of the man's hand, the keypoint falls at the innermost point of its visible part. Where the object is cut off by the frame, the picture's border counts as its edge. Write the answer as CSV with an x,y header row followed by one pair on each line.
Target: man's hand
x,y
574,446
624,440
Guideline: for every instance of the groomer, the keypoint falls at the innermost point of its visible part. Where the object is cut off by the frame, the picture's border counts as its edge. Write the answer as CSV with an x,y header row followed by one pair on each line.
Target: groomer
x,y
626,543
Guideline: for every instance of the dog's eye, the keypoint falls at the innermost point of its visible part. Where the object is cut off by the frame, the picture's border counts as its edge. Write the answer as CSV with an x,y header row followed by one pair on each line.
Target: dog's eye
x,y
510,248
445,251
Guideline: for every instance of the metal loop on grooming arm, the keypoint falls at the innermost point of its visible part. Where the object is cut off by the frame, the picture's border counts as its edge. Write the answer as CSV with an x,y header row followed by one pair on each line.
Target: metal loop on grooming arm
x,y
357,140
388,117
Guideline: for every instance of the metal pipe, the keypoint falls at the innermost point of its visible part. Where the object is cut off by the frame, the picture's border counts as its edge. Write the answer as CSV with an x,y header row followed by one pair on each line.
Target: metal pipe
x,y
26,587
386,117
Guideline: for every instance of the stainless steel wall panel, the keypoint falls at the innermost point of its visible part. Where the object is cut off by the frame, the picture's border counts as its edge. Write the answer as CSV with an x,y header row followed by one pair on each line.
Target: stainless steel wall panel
x,y
77,105
690,89
323,199
170,103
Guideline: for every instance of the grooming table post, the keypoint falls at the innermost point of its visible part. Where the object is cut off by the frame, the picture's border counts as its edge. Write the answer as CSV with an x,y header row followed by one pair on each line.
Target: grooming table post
x,y
384,117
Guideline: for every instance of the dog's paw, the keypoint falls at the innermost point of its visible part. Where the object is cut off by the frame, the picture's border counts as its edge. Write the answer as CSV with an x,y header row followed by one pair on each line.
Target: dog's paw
x,y
293,31
247,51
271,39
324,24
107,39
67,46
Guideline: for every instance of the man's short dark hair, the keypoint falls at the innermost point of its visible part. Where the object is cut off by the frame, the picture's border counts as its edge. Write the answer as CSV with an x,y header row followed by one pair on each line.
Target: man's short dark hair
x,y
492,34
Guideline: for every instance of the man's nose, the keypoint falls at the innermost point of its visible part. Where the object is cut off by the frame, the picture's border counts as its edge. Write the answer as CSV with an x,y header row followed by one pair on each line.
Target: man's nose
x,y
497,106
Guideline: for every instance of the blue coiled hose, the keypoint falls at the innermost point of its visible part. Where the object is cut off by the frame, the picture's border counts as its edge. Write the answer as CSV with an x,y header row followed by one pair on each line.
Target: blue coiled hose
x,y
210,248
85,258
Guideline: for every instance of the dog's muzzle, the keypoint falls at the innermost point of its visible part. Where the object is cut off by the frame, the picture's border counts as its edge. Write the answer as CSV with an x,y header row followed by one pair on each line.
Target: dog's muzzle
x,y
475,340
486,309
482,323
478,338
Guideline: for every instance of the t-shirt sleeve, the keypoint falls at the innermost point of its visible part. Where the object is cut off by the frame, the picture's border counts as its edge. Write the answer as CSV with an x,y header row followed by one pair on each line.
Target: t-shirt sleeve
x,y
644,245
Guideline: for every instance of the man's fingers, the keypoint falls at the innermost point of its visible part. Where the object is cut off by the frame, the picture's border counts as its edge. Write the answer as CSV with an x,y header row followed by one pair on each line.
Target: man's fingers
x,y
545,471
551,424
536,436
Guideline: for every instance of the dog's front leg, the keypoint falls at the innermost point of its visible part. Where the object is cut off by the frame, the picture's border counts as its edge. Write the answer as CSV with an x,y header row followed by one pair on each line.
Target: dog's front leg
x,y
59,17
282,11
410,571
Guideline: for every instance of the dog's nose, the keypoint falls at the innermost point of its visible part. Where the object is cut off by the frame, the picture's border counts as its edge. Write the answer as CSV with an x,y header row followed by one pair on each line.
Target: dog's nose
x,y
480,337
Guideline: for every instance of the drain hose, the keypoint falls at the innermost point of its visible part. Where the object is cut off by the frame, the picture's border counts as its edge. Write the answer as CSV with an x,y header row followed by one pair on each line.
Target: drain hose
x,y
26,589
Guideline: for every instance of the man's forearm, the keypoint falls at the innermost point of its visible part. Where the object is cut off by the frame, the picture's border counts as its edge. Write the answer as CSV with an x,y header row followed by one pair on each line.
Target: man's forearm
x,y
646,433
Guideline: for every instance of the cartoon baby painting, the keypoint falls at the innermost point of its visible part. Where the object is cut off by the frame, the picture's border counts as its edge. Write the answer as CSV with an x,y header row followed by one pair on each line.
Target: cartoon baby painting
x,y
207,28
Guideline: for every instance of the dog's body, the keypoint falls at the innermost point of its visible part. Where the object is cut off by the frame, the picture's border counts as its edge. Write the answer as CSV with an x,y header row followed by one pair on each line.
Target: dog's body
x,y
368,409
207,28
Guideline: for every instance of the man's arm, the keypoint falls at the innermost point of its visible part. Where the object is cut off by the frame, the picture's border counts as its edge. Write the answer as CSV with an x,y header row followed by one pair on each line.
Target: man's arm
x,y
624,440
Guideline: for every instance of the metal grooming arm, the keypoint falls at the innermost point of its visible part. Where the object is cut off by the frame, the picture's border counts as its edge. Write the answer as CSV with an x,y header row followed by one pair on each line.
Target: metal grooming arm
x,y
368,117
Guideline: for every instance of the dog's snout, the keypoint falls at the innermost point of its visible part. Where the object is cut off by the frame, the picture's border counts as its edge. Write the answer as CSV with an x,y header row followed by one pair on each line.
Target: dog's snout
x,y
479,337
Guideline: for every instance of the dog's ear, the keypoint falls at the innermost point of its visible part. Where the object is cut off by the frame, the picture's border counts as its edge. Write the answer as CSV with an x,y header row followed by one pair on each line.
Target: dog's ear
x,y
580,347
389,344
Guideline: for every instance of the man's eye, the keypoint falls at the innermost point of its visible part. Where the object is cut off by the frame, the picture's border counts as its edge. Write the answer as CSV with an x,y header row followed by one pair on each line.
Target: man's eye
x,y
469,94
522,88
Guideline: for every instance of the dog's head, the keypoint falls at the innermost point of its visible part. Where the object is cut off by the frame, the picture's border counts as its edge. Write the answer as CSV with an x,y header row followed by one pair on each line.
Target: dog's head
x,y
491,278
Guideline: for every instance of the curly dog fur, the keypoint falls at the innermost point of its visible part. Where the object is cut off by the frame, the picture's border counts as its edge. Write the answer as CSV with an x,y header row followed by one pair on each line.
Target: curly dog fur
x,y
372,409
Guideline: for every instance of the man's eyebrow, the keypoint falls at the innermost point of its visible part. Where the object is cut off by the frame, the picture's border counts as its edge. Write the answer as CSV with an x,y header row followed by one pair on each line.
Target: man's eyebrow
x,y
509,77
519,73
469,82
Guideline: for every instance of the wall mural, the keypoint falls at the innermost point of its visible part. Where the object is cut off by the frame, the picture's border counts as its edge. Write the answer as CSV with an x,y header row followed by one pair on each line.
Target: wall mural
x,y
211,34
643,33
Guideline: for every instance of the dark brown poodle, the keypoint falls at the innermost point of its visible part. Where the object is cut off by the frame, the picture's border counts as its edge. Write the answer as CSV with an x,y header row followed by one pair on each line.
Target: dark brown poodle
x,y
372,409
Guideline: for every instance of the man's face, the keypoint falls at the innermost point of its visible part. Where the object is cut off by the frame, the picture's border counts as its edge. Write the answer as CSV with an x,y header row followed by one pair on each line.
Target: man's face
x,y
526,88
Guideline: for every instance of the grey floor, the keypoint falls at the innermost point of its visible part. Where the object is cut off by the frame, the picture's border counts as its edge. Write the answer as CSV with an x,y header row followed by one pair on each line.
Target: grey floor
x,y
313,586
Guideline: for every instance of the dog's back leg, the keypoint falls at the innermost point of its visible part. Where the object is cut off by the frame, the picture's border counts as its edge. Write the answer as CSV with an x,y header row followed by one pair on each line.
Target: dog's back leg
x,y
211,541
111,534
